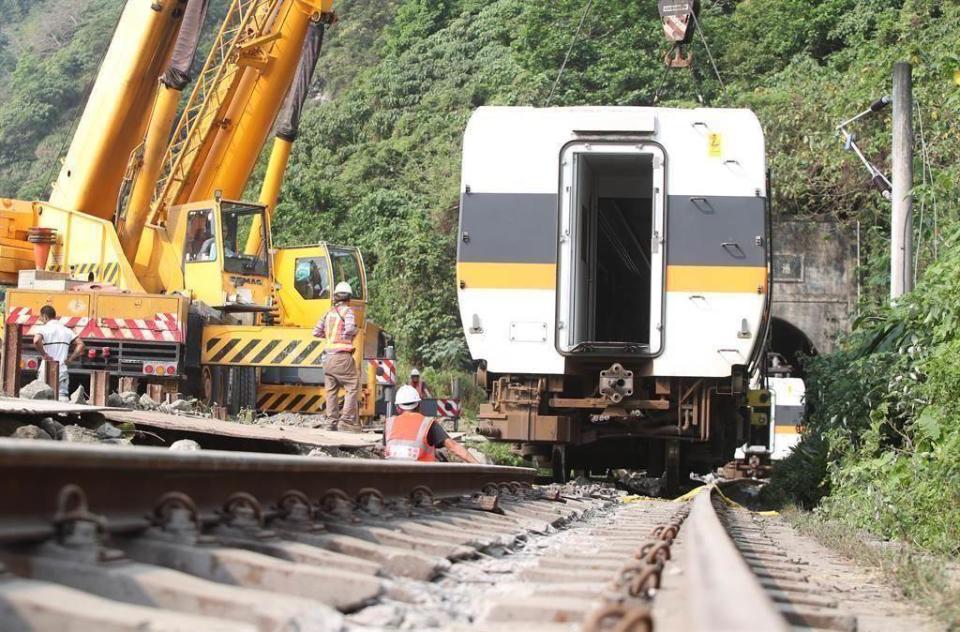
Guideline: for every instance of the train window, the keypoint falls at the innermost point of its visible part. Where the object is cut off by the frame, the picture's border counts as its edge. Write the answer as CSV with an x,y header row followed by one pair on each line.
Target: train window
x,y
611,267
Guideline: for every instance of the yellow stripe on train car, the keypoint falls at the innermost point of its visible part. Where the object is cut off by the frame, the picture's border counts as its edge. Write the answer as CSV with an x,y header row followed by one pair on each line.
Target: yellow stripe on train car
x,y
508,276
731,279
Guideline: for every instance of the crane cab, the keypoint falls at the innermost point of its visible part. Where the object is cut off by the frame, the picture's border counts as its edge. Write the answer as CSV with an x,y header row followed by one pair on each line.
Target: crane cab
x,y
306,277
211,237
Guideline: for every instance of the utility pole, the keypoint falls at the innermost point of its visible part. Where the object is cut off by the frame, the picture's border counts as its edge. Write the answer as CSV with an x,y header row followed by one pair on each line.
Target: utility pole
x,y
901,220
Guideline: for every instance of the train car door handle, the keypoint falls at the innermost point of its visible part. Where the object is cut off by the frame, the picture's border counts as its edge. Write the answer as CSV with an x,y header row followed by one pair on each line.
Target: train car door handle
x,y
734,249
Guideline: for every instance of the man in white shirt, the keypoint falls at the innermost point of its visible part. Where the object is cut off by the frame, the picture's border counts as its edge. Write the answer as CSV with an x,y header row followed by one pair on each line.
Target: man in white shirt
x,y
53,340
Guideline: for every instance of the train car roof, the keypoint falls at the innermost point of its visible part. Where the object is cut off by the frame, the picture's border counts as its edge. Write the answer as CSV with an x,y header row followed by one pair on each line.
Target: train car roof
x,y
517,149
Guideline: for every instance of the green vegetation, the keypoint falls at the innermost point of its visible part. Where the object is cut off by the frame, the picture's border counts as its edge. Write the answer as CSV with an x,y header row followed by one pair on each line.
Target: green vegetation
x,y
377,165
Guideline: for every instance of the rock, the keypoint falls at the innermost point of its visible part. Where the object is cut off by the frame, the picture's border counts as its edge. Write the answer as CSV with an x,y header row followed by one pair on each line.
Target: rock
x,y
185,445
108,431
78,434
31,432
318,452
179,406
379,617
146,402
639,483
115,401
52,427
79,396
482,458
130,399
36,389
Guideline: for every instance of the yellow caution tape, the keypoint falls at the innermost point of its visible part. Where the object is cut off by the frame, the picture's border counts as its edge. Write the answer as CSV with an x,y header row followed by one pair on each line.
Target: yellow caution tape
x,y
729,503
690,494
634,498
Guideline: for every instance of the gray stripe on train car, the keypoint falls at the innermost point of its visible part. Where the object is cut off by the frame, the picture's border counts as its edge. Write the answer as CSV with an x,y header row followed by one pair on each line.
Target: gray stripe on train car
x,y
789,415
522,228
698,228
508,228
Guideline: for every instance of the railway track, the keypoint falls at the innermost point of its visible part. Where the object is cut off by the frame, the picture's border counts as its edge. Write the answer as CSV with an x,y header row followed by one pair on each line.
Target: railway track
x,y
103,538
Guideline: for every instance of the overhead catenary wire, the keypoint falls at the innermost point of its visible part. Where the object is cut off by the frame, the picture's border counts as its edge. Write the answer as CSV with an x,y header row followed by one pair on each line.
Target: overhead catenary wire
x,y
566,58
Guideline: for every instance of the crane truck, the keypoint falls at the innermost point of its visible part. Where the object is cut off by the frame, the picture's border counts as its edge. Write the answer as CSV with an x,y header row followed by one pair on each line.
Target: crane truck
x,y
145,247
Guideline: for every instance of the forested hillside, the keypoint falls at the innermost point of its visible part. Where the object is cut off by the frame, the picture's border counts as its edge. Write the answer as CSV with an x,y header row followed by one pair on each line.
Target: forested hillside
x,y
377,165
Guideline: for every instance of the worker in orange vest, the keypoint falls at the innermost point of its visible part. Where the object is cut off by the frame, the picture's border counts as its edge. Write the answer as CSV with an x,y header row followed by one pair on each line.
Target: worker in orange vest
x,y
339,327
412,437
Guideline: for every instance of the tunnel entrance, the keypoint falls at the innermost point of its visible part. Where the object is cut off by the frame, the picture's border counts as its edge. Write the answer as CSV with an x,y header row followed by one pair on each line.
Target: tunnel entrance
x,y
791,344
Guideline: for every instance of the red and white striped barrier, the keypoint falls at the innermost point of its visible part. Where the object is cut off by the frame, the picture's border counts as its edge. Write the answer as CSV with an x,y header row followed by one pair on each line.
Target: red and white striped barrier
x,y
164,327
24,316
448,408
386,372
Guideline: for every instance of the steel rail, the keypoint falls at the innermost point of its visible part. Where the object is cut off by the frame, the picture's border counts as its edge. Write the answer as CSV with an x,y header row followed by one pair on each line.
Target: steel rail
x,y
722,591
122,485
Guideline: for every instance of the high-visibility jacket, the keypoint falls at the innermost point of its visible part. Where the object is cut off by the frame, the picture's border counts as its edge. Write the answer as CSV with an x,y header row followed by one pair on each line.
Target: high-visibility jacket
x,y
335,324
406,438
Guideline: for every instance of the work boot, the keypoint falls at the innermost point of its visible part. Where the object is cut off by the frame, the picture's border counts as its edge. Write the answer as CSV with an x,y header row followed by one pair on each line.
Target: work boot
x,y
323,422
348,426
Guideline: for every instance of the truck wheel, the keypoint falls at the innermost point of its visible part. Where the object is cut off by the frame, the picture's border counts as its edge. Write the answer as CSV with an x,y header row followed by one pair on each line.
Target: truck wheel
x,y
242,392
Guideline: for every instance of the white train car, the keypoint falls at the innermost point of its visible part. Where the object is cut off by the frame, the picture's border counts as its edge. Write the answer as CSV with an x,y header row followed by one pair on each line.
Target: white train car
x,y
613,270
787,408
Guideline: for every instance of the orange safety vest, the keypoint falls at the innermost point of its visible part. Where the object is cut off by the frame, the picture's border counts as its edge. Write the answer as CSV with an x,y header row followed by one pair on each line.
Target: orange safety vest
x,y
334,324
406,438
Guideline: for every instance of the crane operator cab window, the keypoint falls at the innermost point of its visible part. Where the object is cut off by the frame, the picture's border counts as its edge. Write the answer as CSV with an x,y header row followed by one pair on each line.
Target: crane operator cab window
x,y
201,243
241,254
611,250
311,278
347,267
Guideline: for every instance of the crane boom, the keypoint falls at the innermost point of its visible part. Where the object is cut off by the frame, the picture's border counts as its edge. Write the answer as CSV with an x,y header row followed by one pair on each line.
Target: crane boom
x,y
116,113
244,28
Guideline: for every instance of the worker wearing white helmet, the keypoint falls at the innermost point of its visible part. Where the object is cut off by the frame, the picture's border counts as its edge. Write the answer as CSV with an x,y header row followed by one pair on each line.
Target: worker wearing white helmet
x,y
339,327
416,381
412,437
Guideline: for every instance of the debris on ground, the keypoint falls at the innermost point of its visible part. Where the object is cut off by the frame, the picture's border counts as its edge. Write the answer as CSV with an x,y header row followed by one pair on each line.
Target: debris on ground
x,y
295,419
481,458
31,432
79,396
129,399
52,427
638,482
36,389
108,431
185,445
147,403
78,434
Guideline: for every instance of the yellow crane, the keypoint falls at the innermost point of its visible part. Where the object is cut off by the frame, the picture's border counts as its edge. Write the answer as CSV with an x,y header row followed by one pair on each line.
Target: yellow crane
x,y
149,204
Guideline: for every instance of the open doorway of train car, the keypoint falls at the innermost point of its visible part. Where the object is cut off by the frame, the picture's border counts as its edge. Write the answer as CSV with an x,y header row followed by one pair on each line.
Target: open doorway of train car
x,y
611,250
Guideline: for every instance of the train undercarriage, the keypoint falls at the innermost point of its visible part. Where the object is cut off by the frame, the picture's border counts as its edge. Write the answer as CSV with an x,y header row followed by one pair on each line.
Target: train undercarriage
x,y
670,427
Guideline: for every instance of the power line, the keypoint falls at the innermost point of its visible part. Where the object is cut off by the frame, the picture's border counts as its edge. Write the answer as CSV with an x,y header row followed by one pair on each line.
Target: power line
x,y
573,42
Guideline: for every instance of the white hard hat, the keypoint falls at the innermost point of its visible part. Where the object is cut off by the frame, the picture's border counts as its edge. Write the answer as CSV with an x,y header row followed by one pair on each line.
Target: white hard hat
x,y
407,397
414,373
343,288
